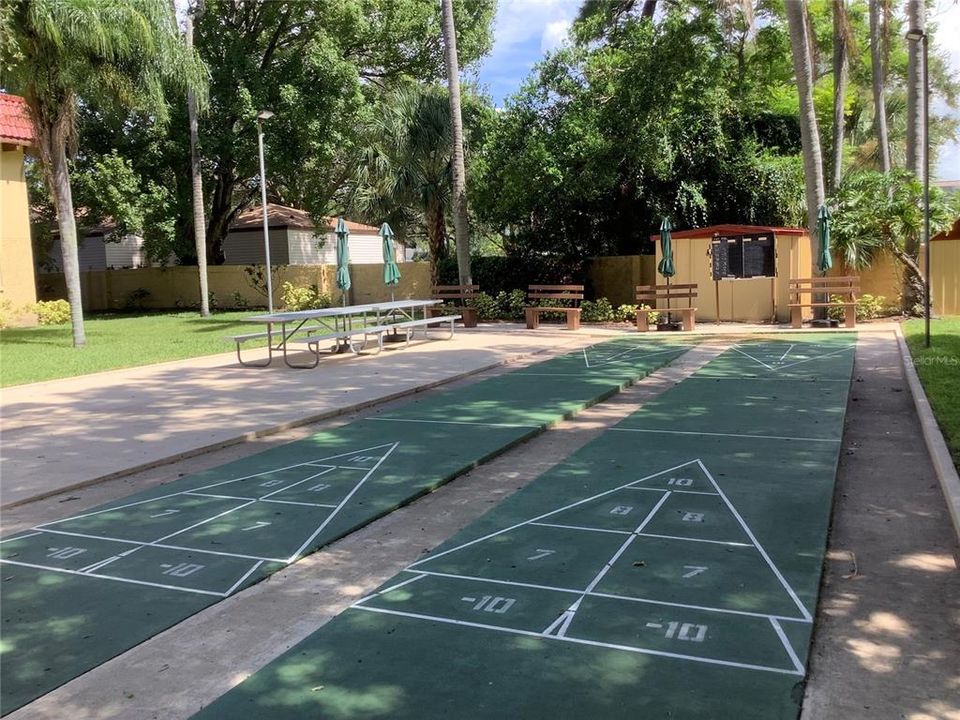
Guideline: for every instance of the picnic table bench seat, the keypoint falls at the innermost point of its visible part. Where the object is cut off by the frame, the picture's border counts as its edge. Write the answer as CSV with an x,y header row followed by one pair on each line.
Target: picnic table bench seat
x,y
536,294
458,295
651,294
846,287
312,341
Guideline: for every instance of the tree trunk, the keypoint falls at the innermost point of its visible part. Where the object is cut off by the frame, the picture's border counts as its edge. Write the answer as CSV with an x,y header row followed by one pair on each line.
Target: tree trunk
x,y
809,134
221,213
879,72
916,20
840,68
66,221
437,239
461,222
199,222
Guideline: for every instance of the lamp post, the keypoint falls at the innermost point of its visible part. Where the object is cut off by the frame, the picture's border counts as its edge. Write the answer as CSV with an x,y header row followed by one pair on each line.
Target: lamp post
x,y
261,116
917,35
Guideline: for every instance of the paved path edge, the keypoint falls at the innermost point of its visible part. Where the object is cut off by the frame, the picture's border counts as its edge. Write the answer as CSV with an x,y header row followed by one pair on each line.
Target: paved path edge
x,y
936,444
272,430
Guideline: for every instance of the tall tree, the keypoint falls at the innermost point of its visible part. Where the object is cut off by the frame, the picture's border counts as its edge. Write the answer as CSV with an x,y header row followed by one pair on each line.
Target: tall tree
x,y
461,220
916,20
71,49
809,132
196,179
878,30
841,63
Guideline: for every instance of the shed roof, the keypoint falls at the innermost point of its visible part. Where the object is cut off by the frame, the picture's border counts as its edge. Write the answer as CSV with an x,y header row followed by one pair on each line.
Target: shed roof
x,y
15,125
731,229
281,216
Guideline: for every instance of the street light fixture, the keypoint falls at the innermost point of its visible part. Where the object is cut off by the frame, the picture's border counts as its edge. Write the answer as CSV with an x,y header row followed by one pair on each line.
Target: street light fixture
x,y
917,35
261,116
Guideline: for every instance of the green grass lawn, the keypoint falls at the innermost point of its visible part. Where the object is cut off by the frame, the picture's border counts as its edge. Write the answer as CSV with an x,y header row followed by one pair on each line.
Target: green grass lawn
x,y
939,370
114,341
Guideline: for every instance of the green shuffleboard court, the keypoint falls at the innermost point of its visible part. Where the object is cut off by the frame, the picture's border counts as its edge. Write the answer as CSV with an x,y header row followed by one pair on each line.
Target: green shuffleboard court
x,y
81,590
668,569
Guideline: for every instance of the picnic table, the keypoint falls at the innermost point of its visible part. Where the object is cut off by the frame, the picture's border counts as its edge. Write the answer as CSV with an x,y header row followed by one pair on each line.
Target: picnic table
x,y
341,324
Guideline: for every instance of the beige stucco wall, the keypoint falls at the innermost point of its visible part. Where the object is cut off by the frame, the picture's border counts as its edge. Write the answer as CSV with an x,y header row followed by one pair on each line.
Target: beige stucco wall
x,y
178,286
945,276
17,285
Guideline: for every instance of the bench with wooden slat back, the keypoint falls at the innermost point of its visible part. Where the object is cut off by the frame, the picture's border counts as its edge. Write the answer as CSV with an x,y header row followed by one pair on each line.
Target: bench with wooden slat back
x,y
846,287
651,295
565,293
458,296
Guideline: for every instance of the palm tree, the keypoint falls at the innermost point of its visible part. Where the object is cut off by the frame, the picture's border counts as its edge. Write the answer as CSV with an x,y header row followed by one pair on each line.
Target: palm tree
x,y
809,133
407,174
879,76
461,223
842,37
109,50
916,20
199,221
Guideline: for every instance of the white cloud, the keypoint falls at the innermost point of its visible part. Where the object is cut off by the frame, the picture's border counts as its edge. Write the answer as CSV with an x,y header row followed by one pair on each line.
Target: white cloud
x,y
519,21
554,35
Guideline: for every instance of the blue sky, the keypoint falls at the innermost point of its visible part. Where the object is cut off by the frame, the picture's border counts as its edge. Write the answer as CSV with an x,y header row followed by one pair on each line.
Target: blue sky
x,y
526,29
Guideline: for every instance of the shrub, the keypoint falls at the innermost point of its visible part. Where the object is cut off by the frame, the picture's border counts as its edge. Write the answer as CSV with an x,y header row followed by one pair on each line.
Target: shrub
x,y
134,299
653,317
239,301
303,298
599,310
868,307
6,313
625,313
487,307
52,312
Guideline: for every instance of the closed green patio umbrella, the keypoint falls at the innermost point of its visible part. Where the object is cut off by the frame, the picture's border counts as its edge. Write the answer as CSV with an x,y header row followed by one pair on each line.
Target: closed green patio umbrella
x,y
665,266
343,258
824,259
391,273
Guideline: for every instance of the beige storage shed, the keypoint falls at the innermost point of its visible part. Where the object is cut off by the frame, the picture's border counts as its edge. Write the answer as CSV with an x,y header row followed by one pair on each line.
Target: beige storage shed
x,y
742,271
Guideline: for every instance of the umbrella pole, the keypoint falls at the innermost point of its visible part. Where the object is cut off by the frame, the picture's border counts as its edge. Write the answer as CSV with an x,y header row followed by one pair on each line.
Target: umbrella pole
x,y
669,319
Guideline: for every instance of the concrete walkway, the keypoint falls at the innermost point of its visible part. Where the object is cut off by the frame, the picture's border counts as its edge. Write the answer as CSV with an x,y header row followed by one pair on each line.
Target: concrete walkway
x,y
65,434
887,640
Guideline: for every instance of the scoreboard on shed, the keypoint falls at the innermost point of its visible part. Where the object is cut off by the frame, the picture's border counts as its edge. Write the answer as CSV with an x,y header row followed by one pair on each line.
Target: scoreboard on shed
x,y
743,256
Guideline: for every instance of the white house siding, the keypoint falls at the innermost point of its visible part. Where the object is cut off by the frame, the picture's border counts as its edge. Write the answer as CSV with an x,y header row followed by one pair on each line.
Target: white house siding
x,y
128,253
90,251
245,247
303,247
365,249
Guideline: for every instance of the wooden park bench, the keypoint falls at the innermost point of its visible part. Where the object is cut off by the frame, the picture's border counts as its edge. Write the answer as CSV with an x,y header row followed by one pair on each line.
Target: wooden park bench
x,y
536,294
845,287
458,295
651,294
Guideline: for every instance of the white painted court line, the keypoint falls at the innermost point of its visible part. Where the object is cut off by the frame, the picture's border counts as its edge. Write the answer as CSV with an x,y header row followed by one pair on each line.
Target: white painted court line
x,y
691,492
571,612
243,579
112,577
699,540
452,422
716,434
785,354
219,497
19,537
819,357
206,487
787,646
343,502
581,527
706,608
548,514
611,646
610,359
592,593
751,378
737,349
296,502
756,543
164,546
414,579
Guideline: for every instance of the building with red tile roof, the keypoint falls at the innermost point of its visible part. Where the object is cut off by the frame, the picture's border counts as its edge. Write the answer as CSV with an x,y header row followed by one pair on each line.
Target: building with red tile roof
x,y
17,280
